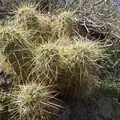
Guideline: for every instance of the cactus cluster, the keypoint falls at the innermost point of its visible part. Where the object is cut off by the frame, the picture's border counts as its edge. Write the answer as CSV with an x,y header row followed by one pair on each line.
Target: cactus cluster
x,y
33,25
70,66
33,102
46,60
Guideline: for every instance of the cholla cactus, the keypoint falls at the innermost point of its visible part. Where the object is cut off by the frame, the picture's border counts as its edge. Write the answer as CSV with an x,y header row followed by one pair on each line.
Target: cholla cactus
x,y
33,102
62,24
15,51
47,60
26,16
69,65
15,54
81,67
34,25
20,58
6,35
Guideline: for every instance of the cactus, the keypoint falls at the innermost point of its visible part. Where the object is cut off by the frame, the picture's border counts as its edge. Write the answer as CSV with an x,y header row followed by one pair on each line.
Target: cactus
x,y
20,58
62,24
69,65
33,102
35,26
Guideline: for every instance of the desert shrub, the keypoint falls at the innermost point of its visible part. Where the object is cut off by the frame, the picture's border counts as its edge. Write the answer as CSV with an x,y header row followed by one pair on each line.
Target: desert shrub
x,y
73,67
33,102
107,14
111,64
110,69
110,89
35,26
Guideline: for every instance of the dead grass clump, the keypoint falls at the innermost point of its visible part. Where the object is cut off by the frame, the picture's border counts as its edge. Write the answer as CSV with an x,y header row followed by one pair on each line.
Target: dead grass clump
x,y
62,24
33,102
73,67
35,25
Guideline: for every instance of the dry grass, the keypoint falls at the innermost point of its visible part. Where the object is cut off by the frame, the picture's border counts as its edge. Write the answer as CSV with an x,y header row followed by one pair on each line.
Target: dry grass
x,y
33,102
73,67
